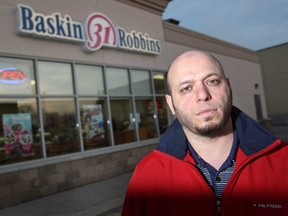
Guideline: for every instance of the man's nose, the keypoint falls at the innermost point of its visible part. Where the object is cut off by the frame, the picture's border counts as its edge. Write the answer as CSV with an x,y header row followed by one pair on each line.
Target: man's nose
x,y
202,93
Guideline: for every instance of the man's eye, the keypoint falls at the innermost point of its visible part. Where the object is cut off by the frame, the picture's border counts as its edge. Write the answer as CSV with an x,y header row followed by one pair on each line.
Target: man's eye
x,y
186,89
213,82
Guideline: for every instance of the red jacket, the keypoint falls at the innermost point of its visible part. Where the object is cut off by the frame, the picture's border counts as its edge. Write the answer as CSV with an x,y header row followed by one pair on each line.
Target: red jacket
x,y
167,181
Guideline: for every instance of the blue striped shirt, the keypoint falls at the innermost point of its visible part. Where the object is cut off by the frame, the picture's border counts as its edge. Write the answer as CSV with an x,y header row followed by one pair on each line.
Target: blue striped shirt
x,y
217,179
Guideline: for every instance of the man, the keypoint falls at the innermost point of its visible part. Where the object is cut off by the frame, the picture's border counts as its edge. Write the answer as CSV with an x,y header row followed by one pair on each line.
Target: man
x,y
213,159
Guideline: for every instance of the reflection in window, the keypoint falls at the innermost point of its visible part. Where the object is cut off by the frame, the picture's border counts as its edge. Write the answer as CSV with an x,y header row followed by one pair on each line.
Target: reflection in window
x,y
55,78
122,120
145,120
89,80
141,82
17,76
19,136
162,114
94,123
159,83
117,81
61,136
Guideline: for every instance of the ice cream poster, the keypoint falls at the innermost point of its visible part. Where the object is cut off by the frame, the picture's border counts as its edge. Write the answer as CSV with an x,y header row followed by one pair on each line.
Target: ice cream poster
x,y
18,134
93,120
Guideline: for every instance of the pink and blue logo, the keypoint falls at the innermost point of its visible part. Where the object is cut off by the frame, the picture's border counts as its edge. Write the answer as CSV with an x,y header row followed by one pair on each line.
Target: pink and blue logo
x,y
98,31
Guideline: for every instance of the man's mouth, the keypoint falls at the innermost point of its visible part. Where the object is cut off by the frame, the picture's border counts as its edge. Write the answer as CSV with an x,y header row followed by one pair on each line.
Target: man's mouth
x,y
206,111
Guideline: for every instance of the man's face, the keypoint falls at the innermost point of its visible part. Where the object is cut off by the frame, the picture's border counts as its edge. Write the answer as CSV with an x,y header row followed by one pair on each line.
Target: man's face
x,y
201,96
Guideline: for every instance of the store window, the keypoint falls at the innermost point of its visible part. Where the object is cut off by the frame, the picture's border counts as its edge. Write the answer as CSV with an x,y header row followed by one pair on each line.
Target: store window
x,y
159,82
55,78
123,120
19,130
89,80
162,114
60,126
122,115
16,77
115,106
141,82
59,114
145,118
95,130
117,81
19,124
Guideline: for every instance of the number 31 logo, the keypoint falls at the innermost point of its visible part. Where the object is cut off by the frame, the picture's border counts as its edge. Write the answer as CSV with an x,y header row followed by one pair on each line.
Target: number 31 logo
x,y
99,32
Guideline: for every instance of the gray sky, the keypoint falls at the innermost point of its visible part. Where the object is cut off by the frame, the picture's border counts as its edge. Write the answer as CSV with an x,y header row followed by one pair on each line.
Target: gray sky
x,y
253,24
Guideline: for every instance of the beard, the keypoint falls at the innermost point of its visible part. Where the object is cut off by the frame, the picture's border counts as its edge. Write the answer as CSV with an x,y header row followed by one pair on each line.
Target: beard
x,y
211,129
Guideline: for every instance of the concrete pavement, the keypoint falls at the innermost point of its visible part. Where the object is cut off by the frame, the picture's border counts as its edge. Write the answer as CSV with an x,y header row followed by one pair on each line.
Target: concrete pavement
x,y
102,198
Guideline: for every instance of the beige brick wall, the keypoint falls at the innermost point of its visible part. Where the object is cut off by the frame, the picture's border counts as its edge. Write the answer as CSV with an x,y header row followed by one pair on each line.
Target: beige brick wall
x,y
30,184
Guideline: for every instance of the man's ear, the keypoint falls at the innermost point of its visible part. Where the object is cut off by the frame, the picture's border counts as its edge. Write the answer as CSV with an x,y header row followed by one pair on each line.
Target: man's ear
x,y
170,103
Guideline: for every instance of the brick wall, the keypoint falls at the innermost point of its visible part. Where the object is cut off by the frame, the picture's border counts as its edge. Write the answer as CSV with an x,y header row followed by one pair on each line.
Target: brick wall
x,y
30,184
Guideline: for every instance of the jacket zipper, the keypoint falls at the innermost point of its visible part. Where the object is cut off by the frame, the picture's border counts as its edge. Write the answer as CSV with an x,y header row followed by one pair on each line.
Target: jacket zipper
x,y
219,206
217,199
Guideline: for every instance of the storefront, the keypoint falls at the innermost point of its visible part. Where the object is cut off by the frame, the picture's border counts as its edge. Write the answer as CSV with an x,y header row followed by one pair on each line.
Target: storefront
x,y
82,89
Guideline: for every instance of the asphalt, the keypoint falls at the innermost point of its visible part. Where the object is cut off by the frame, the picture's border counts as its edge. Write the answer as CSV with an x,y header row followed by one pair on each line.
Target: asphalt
x,y
103,198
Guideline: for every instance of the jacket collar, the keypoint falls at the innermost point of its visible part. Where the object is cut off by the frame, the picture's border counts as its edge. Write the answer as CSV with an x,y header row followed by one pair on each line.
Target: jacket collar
x,y
252,136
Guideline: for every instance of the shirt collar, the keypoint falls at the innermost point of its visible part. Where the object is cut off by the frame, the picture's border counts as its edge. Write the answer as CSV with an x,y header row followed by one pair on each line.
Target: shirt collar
x,y
228,161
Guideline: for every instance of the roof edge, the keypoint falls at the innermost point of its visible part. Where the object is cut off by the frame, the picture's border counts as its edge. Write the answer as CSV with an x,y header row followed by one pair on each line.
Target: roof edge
x,y
153,6
176,34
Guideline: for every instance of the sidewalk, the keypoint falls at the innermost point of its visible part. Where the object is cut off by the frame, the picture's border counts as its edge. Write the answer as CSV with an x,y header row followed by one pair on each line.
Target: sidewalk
x,y
102,198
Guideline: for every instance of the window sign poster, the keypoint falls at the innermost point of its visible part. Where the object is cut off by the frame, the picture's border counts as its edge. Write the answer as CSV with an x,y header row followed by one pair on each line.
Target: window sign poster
x,y
18,134
93,121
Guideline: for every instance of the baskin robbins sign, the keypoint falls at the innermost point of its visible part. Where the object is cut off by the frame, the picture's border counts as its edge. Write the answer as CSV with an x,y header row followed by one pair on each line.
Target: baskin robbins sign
x,y
97,31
